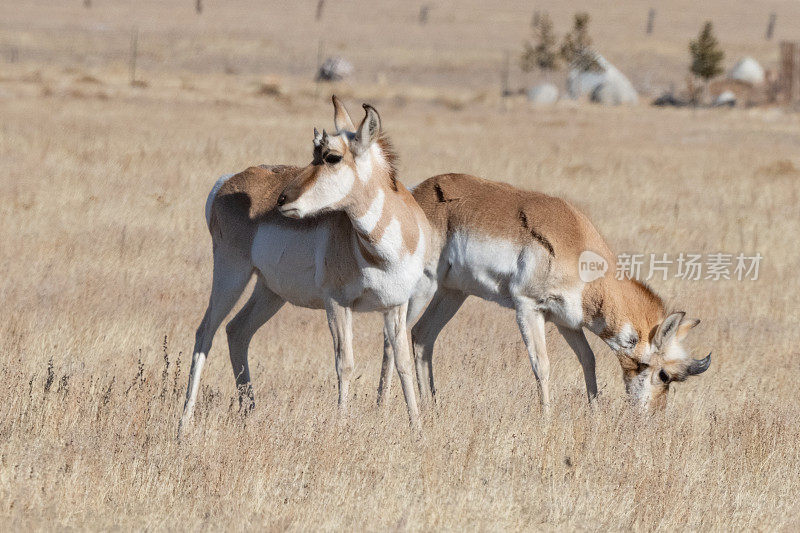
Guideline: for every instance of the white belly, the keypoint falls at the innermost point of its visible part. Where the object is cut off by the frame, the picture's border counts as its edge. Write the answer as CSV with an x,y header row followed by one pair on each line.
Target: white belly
x,y
482,267
299,264
505,272
288,256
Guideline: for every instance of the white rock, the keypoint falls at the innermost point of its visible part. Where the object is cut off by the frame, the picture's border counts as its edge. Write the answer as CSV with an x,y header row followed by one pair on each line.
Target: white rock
x,y
580,83
614,92
726,98
543,94
747,70
334,69
606,86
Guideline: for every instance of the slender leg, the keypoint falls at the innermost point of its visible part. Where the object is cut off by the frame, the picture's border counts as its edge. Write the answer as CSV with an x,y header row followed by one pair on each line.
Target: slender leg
x,y
416,304
340,322
395,325
231,275
387,368
531,325
423,293
577,341
262,305
443,307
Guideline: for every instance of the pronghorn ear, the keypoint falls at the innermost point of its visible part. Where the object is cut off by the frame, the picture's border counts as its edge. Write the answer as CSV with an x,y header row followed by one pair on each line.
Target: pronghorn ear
x,y
368,131
685,326
341,118
667,329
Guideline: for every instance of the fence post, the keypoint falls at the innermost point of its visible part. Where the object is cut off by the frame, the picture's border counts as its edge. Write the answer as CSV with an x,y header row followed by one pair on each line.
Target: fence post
x,y
789,75
424,9
771,25
134,53
506,74
651,19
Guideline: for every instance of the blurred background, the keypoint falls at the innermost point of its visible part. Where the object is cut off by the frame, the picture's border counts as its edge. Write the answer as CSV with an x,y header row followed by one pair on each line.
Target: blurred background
x,y
424,49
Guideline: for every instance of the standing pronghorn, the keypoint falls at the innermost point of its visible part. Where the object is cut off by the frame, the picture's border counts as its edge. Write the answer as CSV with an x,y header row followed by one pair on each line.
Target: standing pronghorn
x,y
365,249
522,250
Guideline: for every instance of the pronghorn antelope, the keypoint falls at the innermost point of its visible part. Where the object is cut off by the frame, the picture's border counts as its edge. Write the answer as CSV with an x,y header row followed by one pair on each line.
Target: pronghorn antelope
x,y
522,250
341,234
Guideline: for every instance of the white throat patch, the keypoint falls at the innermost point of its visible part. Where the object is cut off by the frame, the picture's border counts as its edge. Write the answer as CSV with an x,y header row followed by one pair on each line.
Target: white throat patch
x,y
370,219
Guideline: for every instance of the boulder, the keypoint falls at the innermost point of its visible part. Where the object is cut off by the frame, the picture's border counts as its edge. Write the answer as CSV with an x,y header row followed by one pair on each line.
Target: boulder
x,y
580,83
726,98
334,69
543,94
747,70
614,92
604,84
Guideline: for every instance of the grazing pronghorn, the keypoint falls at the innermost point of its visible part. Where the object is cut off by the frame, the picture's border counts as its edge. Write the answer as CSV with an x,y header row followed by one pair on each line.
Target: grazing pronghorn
x,y
365,249
522,250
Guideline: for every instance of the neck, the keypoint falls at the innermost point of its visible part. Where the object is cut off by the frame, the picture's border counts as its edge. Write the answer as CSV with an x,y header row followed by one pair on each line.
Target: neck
x,y
383,223
384,215
622,312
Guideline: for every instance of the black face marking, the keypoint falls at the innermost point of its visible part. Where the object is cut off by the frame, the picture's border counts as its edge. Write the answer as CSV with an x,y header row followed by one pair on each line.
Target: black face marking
x,y
663,376
317,155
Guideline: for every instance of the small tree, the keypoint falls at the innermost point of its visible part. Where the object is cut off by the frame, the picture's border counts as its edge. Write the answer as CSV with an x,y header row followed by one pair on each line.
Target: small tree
x,y
575,48
706,54
542,54
577,41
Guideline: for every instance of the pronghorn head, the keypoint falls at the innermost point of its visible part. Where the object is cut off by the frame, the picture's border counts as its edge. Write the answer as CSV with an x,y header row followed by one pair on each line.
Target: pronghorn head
x,y
343,162
660,360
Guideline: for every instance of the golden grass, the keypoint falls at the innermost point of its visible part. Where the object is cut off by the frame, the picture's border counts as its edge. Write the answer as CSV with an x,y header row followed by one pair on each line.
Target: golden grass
x,y
106,265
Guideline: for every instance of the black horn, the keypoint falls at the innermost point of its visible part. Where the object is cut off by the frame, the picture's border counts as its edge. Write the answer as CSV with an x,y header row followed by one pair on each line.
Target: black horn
x,y
698,366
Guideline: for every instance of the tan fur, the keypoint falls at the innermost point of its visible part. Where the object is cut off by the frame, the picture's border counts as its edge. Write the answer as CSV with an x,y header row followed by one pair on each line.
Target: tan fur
x,y
336,230
250,197
626,313
244,200
406,212
458,201
454,201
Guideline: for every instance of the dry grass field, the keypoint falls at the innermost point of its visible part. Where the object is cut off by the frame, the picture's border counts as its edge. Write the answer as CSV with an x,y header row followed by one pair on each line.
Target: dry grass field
x,y
105,266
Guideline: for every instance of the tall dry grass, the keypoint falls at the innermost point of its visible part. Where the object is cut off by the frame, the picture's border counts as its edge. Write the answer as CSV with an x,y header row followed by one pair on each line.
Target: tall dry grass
x,y
106,267
105,263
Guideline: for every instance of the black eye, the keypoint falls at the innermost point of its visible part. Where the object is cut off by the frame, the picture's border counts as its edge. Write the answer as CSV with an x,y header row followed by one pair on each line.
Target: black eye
x,y
332,159
663,376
